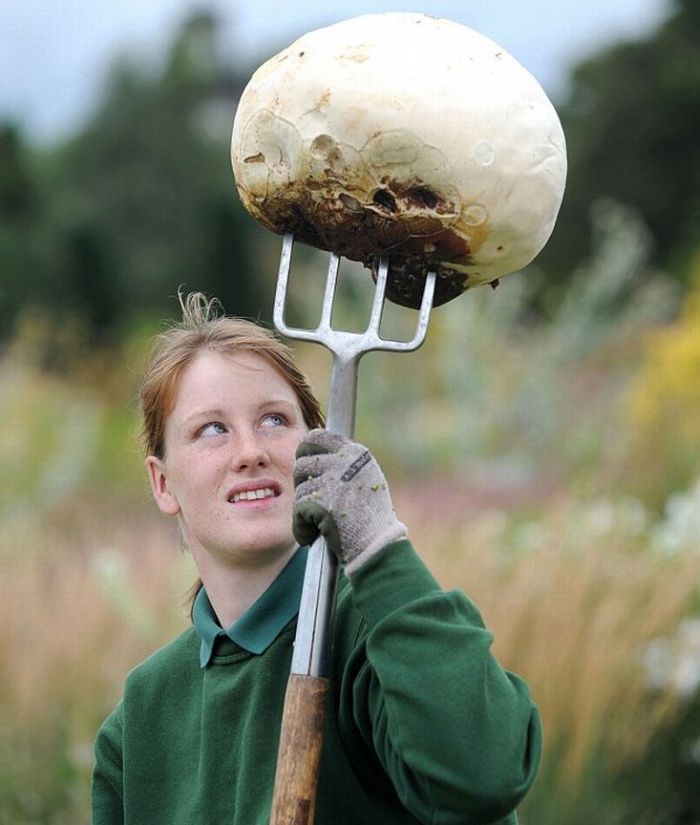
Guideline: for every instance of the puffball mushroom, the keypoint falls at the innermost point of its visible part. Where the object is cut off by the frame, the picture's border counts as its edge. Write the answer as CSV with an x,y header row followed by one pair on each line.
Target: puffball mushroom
x,y
405,135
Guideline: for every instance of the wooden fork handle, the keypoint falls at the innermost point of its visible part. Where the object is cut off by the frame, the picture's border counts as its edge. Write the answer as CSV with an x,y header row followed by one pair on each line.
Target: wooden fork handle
x,y
294,796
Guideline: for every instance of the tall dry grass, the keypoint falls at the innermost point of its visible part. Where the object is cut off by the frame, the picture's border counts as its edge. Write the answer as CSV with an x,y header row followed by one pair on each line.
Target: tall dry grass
x,y
79,607
575,622
574,605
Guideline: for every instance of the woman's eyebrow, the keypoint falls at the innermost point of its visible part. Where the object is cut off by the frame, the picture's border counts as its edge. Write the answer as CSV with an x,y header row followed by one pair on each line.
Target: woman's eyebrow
x,y
277,402
206,413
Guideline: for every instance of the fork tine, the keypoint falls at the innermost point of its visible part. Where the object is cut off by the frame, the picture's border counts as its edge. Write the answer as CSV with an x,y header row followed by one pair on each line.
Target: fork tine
x,y
329,293
423,318
278,315
375,317
425,308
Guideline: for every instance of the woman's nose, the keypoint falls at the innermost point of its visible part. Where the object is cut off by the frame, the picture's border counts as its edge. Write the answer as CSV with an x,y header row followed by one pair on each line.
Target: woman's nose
x,y
249,451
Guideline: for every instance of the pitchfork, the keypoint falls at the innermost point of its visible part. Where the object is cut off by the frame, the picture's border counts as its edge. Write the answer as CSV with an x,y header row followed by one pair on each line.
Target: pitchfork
x,y
305,701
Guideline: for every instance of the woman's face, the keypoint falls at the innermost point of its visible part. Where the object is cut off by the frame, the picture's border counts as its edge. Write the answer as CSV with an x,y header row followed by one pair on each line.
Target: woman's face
x,y
230,444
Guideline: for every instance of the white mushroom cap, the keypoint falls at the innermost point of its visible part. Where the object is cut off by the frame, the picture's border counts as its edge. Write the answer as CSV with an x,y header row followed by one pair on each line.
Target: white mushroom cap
x,y
407,135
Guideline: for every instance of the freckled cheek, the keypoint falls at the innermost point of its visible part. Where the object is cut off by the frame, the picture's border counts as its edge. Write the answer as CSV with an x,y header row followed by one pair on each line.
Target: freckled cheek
x,y
285,460
198,481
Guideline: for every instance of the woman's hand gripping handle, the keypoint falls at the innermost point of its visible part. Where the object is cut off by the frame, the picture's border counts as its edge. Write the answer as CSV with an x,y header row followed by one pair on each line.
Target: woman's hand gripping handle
x,y
342,494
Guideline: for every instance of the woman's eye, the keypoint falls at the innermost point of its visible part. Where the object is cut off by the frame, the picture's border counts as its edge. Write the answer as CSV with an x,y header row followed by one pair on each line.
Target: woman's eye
x,y
274,420
213,428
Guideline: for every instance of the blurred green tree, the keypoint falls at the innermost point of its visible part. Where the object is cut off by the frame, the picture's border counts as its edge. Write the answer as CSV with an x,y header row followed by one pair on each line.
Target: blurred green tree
x,y
17,195
103,229
630,121
21,213
151,173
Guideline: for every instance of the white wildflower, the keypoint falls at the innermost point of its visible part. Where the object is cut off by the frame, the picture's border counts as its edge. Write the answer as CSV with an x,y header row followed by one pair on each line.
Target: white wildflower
x,y
674,662
680,527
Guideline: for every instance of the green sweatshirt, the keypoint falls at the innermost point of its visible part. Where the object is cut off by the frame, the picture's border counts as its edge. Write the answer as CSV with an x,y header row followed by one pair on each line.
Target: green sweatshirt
x,y
424,726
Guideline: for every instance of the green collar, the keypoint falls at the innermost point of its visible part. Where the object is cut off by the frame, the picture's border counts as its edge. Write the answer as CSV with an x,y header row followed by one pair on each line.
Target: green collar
x,y
264,620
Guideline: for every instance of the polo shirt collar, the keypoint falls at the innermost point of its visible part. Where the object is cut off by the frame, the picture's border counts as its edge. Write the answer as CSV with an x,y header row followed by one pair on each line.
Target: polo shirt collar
x,y
264,620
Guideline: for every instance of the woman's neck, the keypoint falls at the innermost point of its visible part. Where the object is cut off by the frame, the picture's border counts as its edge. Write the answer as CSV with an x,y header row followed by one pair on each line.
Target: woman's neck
x,y
233,589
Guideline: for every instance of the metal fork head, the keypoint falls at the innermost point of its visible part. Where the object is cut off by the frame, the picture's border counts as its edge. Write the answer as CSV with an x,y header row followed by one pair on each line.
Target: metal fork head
x,y
347,347
340,342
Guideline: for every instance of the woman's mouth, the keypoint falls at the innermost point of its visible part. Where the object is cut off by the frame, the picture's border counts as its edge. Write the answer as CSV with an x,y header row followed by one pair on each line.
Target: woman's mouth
x,y
252,495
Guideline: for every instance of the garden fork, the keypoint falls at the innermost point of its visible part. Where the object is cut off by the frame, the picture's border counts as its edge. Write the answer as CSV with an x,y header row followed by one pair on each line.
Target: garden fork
x,y
304,707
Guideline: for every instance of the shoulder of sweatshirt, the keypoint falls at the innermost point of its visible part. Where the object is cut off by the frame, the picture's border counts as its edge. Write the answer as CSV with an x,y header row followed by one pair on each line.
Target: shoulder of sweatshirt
x,y
173,661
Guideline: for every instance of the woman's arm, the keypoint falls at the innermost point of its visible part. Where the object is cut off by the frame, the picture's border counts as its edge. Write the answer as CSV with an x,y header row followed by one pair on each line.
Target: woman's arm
x,y
458,736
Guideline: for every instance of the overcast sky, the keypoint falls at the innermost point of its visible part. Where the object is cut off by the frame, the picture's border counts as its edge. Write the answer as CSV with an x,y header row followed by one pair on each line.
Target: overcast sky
x,y
54,55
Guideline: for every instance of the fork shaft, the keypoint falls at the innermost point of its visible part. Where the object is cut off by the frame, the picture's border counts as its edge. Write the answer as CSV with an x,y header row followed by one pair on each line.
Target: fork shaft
x,y
342,401
301,737
312,643
314,627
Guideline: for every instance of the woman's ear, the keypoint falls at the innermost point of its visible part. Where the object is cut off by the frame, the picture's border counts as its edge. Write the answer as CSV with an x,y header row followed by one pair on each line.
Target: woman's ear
x,y
165,498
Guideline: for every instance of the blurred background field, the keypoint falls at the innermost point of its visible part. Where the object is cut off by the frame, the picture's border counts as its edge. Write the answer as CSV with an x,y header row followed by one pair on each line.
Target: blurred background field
x,y
543,446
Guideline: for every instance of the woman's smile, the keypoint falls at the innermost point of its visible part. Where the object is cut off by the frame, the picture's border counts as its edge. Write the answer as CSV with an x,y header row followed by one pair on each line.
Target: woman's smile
x,y
262,492
254,496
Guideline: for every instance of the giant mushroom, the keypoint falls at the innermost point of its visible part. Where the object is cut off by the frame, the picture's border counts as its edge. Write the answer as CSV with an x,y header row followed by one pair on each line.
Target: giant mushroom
x,y
405,135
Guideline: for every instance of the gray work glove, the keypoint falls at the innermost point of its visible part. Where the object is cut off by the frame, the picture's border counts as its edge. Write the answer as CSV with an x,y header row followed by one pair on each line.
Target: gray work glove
x,y
341,493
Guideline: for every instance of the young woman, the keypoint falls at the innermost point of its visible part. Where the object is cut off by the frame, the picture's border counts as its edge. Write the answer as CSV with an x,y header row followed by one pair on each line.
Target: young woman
x,y
423,725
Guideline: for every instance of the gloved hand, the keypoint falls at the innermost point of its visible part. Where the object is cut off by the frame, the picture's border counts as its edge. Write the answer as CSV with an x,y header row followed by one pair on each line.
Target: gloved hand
x,y
341,492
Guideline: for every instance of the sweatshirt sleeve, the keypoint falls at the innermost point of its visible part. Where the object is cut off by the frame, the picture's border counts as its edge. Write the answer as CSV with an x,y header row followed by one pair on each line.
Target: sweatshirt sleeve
x,y
458,736
107,777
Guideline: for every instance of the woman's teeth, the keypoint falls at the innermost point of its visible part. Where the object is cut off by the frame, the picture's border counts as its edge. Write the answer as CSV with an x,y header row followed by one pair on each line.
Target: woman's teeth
x,y
252,495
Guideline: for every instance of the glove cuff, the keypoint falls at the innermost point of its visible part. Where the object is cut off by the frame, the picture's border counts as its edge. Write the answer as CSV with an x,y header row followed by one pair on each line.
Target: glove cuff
x,y
393,532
